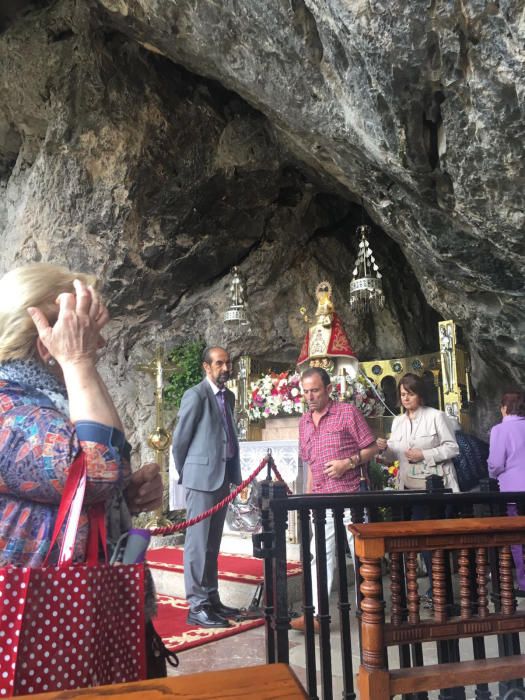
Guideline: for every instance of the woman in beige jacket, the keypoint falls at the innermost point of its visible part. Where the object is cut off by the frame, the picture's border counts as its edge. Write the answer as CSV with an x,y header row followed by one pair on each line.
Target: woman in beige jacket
x,y
422,439
423,442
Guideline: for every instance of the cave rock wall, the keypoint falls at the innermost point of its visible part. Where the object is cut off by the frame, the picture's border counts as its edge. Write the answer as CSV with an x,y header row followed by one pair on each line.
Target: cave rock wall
x,y
159,144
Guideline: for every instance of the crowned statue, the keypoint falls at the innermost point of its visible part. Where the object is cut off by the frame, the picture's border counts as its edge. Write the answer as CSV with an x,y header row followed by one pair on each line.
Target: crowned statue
x,y
326,344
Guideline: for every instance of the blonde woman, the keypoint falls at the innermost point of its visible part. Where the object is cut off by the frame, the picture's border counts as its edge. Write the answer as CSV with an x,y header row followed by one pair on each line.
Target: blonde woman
x,y
53,403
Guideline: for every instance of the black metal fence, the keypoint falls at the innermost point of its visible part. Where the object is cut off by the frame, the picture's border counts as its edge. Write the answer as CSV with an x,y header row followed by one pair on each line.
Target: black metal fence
x,y
270,544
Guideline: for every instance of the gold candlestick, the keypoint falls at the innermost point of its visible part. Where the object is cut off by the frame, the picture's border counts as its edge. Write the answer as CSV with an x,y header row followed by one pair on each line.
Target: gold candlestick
x,y
160,439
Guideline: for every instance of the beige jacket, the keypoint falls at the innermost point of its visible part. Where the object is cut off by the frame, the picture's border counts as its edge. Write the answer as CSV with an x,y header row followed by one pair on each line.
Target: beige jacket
x,y
430,431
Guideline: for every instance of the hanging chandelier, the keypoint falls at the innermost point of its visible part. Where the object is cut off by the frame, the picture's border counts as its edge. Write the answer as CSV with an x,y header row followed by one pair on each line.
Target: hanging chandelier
x,y
237,312
366,290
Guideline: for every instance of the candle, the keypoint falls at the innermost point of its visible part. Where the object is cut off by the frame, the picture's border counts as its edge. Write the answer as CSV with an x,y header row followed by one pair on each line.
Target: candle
x,y
343,383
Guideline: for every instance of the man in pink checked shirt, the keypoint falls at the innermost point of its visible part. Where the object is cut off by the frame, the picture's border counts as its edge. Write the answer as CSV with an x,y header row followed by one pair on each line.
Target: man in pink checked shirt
x,y
334,440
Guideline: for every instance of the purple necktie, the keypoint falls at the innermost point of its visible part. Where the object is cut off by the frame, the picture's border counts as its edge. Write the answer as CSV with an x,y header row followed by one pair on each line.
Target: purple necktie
x,y
226,417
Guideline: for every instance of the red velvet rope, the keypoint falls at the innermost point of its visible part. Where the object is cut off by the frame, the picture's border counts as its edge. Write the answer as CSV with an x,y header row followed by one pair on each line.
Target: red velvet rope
x,y
170,529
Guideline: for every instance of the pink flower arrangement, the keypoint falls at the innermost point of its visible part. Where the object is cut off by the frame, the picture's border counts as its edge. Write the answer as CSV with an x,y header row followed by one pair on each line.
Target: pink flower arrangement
x,y
362,396
276,394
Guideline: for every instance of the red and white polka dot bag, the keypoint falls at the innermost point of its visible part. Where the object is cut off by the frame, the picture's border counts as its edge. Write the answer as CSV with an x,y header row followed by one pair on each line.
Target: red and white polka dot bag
x,y
71,625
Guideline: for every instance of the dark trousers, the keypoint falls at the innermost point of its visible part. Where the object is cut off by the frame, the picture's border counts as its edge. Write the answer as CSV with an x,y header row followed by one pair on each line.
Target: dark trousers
x,y
517,552
201,547
202,544
419,512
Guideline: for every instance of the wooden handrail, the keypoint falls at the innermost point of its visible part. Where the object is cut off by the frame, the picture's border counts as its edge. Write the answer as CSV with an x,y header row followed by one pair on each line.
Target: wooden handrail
x,y
382,538
255,682
481,671
434,528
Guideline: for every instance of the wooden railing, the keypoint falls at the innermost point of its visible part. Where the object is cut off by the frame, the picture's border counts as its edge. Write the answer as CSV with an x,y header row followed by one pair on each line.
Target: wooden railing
x,y
476,616
436,504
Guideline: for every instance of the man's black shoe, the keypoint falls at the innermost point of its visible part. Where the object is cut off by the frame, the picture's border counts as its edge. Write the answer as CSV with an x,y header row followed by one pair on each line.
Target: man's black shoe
x,y
204,616
224,610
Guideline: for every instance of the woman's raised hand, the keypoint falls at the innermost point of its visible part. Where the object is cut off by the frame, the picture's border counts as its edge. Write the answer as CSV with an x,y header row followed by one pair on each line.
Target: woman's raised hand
x,y
75,337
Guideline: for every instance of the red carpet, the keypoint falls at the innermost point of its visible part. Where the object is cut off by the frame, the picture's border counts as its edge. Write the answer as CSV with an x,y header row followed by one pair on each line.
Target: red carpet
x,y
232,567
177,635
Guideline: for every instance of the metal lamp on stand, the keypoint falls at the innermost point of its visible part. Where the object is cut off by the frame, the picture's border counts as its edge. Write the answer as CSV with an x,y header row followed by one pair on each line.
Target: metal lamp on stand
x,y
366,289
237,312
235,317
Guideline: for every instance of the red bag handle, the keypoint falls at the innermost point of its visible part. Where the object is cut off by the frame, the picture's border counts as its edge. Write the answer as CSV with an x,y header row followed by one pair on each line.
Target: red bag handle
x,y
69,512
97,533
70,507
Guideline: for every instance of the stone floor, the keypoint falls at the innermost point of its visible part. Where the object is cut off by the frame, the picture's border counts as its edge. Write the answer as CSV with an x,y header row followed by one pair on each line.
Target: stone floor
x,y
248,649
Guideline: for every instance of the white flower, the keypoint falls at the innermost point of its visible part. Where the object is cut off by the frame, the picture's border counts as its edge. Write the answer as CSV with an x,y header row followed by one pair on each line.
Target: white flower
x,y
287,406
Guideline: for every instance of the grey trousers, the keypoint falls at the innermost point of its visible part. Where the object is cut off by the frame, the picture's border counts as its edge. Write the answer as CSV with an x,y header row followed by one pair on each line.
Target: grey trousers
x,y
201,547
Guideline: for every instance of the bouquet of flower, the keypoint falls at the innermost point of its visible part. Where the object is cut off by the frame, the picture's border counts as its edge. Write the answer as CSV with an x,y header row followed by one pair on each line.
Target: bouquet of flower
x,y
276,394
362,396
390,475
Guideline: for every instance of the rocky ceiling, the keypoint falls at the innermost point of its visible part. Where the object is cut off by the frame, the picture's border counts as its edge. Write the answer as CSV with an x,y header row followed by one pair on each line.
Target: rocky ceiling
x,y
159,143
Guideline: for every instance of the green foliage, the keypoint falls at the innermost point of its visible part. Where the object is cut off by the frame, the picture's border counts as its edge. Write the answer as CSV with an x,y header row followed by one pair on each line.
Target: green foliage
x,y
376,476
177,516
188,358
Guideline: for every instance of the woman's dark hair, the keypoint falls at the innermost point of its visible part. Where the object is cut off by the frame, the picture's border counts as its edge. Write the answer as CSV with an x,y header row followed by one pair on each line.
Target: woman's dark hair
x,y
415,384
514,402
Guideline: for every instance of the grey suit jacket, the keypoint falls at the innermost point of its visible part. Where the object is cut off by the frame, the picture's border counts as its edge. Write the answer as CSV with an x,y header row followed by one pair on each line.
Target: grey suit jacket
x,y
200,440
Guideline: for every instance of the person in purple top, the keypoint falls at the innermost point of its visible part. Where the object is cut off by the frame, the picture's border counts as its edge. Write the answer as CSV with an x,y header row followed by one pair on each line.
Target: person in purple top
x,y
507,462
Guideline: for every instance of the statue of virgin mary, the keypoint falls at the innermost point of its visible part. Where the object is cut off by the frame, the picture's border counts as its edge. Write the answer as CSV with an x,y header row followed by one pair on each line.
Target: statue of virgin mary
x,y
326,344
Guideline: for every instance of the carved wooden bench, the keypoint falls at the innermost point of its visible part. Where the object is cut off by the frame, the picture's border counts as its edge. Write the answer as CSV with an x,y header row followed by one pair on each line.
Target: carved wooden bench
x,y
479,611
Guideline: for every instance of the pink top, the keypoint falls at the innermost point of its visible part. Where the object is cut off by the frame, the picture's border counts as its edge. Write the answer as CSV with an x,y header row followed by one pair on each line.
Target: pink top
x,y
341,433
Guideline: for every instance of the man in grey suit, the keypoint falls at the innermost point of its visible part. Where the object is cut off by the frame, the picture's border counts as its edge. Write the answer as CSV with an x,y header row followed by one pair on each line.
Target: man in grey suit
x,y
206,453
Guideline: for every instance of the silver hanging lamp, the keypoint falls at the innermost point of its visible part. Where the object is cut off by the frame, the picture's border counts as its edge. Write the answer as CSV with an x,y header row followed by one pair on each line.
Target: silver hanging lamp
x,y
237,312
366,289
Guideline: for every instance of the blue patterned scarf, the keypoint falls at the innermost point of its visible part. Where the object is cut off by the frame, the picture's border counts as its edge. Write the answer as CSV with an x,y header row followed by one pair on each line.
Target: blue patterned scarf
x,y
35,376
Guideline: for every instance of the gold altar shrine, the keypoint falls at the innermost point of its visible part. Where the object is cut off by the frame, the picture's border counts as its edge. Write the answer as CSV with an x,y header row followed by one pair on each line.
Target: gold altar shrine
x,y
446,372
